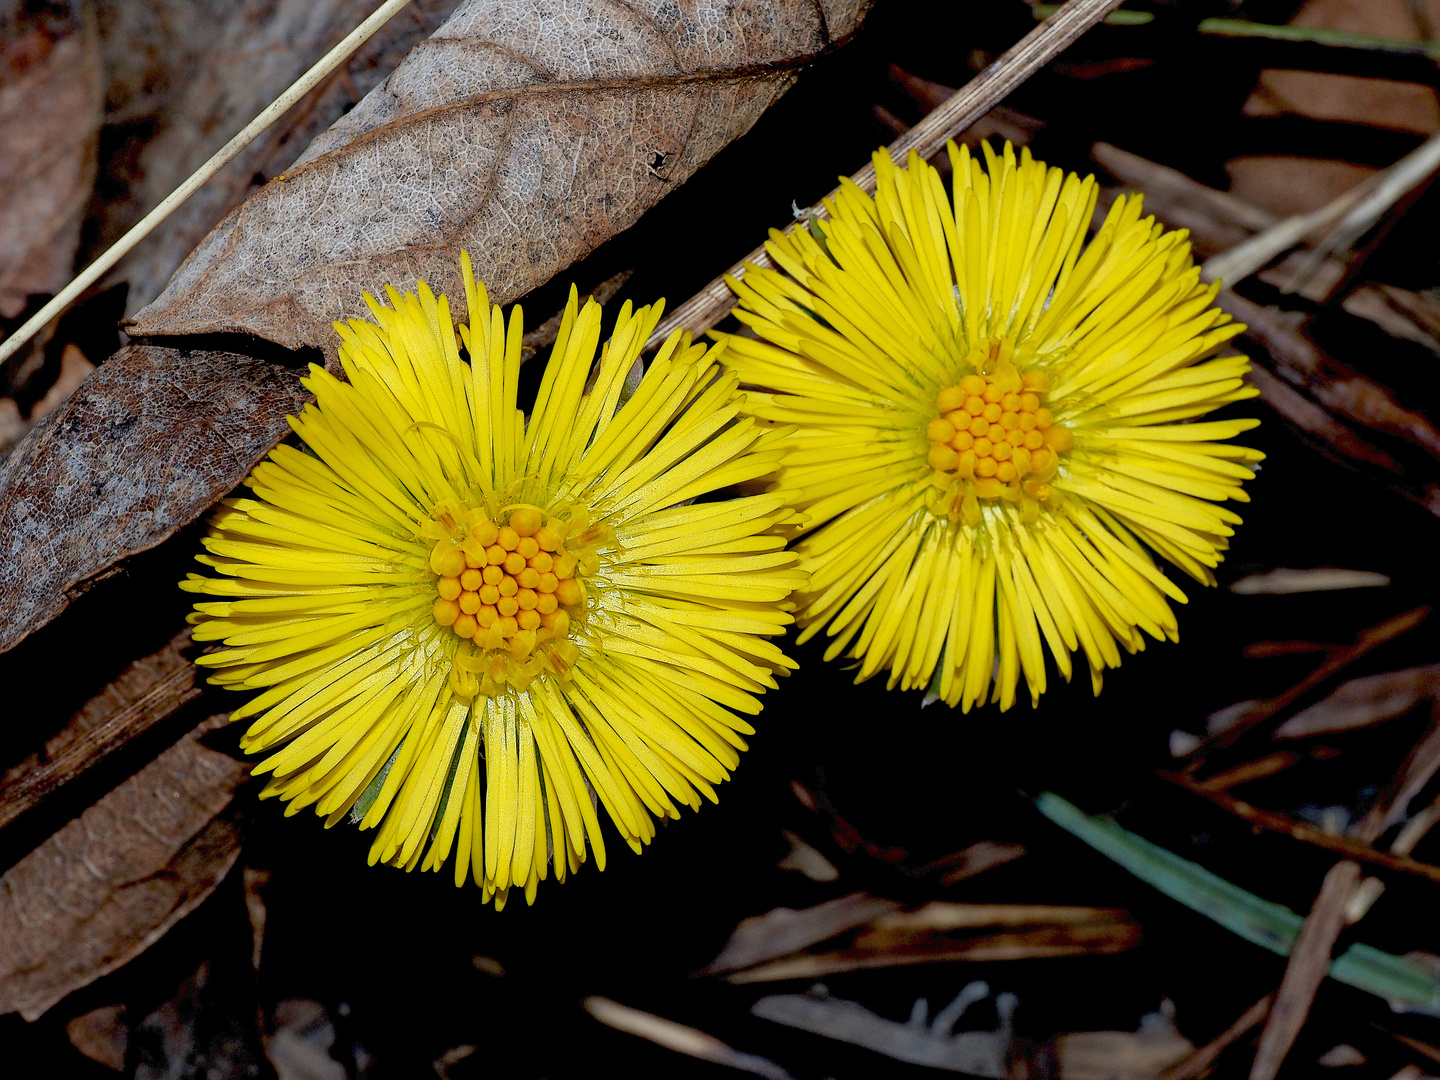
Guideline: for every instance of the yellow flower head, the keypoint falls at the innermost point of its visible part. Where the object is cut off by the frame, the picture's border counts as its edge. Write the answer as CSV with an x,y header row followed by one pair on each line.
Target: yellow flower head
x,y
466,626
991,422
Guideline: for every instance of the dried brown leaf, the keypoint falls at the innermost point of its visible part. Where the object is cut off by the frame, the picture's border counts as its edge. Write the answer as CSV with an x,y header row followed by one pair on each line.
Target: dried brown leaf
x,y
527,134
785,930
185,75
49,125
1361,702
111,882
146,692
1119,1055
679,1038
148,441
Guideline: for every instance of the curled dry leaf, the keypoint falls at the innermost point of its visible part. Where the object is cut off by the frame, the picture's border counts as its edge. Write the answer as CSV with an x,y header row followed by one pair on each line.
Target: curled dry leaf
x,y
111,882
147,442
526,133
933,1044
49,125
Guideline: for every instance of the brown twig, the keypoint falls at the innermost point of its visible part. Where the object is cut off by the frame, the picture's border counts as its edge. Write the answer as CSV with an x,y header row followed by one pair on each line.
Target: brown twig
x,y
1369,639
147,692
1270,821
1333,384
1198,1063
1310,958
972,101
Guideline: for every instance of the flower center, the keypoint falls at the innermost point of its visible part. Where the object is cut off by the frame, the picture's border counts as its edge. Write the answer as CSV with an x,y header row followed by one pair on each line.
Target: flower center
x,y
994,438
513,591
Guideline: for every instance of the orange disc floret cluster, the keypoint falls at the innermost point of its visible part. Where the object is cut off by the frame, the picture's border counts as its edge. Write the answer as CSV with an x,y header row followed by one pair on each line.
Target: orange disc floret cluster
x,y
994,438
514,590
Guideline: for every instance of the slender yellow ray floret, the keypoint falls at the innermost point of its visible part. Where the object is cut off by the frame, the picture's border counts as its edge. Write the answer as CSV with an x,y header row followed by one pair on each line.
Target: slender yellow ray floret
x,y
994,422
469,629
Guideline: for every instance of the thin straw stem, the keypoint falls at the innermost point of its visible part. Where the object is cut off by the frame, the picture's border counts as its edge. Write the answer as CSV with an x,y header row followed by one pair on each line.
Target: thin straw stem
x,y
298,89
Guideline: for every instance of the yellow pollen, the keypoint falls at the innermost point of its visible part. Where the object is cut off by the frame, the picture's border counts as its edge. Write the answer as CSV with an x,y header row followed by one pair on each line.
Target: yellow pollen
x,y
512,589
994,437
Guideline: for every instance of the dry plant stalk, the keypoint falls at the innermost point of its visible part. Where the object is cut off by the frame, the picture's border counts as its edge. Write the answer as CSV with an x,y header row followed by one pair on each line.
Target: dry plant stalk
x,y
928,137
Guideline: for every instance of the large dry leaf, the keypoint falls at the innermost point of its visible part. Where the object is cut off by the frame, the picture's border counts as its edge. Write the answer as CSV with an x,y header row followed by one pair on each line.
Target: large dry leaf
x,y
184,75
49,124
526,131
109,883
148,441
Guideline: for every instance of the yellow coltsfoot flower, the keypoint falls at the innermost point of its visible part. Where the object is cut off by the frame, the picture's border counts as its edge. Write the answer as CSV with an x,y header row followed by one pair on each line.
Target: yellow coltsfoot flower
x,y
465,625
991,422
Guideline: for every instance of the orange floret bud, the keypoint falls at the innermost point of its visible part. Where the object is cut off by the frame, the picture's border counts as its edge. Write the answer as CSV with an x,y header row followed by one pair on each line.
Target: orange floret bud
x,y
950,398
446,612
548,538
973,385
448,561
508,538
469,602
526,521
568,592
1059,438
940,430
448,588
489,594
528,547
528,620
543,562
942,458
507,605
470,580
514,563
485,533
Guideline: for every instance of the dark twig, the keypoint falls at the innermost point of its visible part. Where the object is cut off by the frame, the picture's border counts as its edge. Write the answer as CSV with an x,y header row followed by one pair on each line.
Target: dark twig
x,y
1368,640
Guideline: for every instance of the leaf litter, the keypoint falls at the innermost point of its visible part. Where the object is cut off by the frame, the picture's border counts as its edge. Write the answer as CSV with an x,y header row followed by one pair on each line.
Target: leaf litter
x,y
859,857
